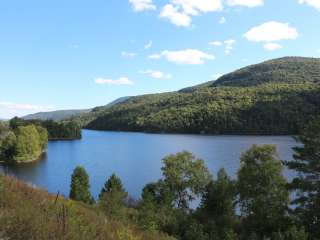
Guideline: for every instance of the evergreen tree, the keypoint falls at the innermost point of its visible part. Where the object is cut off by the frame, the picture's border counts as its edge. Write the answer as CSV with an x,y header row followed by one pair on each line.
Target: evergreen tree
x,y
307,183
80,187
112,184
216,210
113,195
263,195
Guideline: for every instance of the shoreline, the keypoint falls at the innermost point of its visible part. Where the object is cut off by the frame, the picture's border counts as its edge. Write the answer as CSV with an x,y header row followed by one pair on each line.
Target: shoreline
x,y
197,134
39,158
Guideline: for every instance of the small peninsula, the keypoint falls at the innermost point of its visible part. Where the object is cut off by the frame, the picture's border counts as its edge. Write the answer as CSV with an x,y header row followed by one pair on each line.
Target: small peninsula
x,y
23,141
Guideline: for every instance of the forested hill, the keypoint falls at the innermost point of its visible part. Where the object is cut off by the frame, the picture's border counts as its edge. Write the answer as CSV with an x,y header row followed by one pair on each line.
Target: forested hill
x,y
274,97
283,70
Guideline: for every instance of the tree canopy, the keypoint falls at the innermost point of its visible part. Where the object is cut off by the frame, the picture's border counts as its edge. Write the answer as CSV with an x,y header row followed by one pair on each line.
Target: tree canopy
x,y
263,193
23,144
67,130
186,176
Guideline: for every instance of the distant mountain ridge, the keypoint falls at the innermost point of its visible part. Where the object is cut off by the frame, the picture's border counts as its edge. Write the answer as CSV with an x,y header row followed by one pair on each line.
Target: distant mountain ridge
x,y
56,115
60,115
273,97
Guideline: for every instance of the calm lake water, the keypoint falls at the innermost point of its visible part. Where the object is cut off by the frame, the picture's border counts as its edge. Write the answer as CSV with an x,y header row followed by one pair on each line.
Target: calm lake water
x,y
136,157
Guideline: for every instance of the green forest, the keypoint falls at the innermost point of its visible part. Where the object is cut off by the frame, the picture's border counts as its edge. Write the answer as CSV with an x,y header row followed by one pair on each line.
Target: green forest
x,y
275,97
26,140
255,205
67,130
23,143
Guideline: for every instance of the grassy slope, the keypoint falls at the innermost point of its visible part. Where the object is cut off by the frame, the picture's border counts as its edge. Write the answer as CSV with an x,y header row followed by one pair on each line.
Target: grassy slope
x,y
30,213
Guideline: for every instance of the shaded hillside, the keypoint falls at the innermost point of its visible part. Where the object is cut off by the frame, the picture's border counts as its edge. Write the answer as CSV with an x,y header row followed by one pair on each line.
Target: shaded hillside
x,y
275,97
30,213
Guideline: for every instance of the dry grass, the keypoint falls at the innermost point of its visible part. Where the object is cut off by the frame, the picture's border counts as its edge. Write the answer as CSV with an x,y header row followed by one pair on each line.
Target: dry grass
x,y
30,213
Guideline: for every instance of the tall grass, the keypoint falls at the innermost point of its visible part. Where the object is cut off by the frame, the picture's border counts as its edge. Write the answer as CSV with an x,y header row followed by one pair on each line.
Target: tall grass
x,y
30,213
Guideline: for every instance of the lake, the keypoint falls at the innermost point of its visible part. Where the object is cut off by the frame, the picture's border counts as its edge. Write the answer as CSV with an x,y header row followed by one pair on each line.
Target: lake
x,y
136,157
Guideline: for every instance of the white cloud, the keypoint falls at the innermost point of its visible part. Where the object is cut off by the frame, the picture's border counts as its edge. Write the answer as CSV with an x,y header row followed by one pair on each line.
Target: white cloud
x,y
229,45
156,74
179,12
187,56
172,13
216,43
11,109
142,5
216,76
272,46
148,45
246,3
128,55
222,20
120,81
271,32
155,56
195,7
312,3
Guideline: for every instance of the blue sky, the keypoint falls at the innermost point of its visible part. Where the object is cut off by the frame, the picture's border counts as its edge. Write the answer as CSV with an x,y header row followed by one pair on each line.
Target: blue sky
x,y
79,54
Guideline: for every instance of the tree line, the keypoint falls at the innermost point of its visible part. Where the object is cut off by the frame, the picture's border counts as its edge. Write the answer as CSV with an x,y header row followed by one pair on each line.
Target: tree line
x,y
67,130
256,205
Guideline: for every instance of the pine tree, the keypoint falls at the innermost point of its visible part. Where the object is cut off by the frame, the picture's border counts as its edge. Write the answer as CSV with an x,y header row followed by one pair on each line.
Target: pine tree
x,y
112,184
307,183
113,195
80,187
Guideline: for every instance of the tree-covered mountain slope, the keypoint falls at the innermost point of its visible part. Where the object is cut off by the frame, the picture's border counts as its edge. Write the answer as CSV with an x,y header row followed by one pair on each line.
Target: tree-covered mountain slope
x,y
274,97
284,70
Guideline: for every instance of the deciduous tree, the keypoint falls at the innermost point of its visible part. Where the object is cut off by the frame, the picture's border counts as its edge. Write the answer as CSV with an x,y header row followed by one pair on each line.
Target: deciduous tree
x,y
263,194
